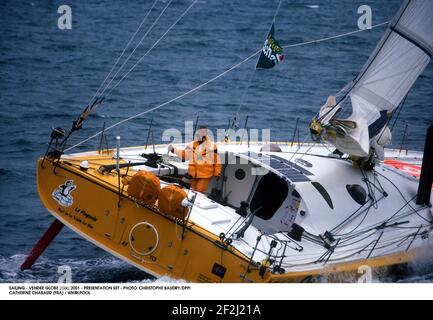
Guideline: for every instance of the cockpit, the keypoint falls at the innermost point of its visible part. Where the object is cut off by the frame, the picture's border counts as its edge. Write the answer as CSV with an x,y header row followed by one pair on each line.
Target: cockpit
x,y
261,187
255,186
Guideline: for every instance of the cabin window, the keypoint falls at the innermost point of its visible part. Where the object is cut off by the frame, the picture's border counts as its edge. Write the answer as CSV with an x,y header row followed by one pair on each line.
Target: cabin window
x,y
323,193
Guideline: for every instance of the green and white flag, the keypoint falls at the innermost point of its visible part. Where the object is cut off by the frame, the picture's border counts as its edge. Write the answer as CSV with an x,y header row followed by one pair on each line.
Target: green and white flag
x,y
272,52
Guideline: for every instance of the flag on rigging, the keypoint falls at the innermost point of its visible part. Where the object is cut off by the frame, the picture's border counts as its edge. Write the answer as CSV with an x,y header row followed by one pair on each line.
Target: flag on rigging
x,y
272,52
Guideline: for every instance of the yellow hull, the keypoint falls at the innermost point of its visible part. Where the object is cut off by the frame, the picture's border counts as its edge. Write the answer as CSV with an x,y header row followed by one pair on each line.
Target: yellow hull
x,y
154,242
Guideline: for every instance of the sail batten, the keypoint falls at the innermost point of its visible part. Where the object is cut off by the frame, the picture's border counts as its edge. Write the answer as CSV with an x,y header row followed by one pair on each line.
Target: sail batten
x,y
407,34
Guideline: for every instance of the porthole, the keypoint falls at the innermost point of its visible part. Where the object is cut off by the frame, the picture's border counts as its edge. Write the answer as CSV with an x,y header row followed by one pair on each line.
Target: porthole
x,y
143,238
240,174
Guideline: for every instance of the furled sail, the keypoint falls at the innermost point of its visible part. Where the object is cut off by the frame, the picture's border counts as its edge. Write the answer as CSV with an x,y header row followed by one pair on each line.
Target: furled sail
x,y
401,56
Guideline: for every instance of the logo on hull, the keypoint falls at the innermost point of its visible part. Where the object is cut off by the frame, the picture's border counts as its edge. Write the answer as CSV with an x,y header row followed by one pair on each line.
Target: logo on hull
x,y
63,193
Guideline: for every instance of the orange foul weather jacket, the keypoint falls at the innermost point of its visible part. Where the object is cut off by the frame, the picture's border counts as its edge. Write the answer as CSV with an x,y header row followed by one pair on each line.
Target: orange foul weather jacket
x,y
203,158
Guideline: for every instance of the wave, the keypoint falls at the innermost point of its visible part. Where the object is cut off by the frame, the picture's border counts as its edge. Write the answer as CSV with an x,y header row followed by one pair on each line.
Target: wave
x,y
109,269
96,270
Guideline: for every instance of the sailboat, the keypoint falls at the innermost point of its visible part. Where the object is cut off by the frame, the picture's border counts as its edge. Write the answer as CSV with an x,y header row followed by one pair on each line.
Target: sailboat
x,y
281,211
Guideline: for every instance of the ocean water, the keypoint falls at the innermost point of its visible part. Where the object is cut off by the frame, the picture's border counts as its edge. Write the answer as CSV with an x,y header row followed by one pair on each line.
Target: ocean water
x,y
48,75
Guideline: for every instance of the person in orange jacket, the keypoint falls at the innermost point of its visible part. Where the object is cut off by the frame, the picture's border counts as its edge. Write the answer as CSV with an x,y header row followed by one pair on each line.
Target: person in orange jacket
x,y
204,162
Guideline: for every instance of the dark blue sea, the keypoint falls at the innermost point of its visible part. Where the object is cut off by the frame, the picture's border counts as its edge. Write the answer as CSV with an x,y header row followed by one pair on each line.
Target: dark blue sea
x,y
48,75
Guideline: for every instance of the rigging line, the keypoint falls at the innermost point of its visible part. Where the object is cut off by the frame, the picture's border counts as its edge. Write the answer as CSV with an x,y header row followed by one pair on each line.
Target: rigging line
x,y
230,229
262,250
136,47
414,211
123,52
245,92
340,258
254,69
367,229
252,257
233,124
290,240
348,241
343,90
369,63
312,235
398,114
154,45
403,239
414,237
333,37
407,214
300,145
409,228
358,78
206,83
360,223
312,239
348,219
374,188
314,144
382,190
326,147
277,11
407,201
281,243
359,250
319,243
372,228
383,244
167,102
371,191
358,234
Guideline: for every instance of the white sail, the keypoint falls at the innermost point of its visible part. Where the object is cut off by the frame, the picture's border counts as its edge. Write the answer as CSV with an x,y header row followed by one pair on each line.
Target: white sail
x,y
401,56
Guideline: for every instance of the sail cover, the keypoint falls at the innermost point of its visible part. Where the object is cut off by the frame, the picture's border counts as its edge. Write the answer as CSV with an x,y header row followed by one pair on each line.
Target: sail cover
x,y
401,56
